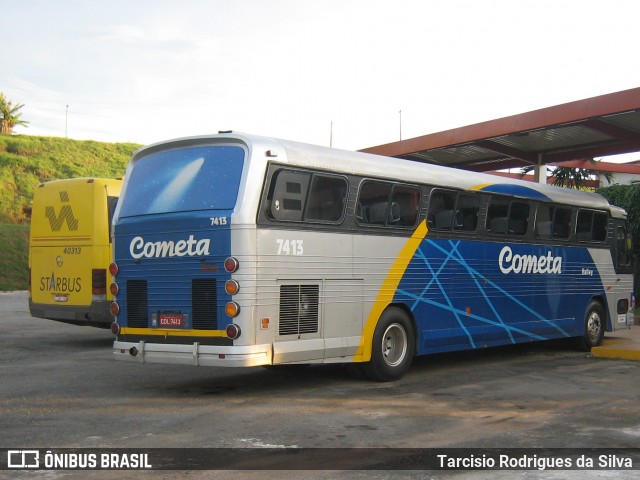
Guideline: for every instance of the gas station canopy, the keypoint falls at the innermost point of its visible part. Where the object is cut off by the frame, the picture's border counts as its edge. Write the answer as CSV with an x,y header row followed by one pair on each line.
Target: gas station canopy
x,y
580,130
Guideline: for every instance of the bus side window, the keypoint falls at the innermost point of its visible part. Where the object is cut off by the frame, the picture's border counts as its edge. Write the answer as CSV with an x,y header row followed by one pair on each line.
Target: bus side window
x,y
441,209
467,212
518,218
544,221
583,225
623,248
453,210
289,193
506,216
386,204
112,202
403,210
591,226
599,232
498,216
372,202
561,222
327,198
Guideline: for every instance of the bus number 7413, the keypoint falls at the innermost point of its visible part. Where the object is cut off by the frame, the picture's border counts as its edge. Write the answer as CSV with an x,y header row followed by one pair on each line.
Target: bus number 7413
x,y
290,247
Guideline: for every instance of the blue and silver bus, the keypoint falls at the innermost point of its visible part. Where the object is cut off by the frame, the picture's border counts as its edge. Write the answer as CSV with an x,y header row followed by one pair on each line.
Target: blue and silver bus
x,y
238,250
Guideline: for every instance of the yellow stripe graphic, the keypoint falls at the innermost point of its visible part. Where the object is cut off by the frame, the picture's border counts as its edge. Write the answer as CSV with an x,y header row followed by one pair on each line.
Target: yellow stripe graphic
x,y
388,290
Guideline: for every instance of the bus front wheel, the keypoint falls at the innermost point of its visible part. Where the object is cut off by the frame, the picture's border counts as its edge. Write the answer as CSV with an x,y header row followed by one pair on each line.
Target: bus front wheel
x,y
392,348
594,326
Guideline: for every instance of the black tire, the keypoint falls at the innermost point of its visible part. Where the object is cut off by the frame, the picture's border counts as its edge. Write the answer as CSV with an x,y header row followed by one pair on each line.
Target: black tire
x,y
393,347
594,326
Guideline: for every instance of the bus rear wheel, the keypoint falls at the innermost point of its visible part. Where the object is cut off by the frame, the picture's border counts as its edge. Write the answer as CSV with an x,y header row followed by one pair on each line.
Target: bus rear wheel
x,y
594,326
392,348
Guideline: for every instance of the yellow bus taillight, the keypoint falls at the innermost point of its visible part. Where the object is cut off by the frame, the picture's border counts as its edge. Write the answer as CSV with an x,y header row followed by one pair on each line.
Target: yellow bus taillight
x,y
99,281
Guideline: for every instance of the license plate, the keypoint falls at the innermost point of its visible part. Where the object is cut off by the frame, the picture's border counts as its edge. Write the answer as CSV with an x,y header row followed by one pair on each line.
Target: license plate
x,y
171,320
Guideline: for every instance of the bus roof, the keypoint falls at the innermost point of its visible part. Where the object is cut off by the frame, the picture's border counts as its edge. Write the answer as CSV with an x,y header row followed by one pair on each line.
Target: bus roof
x,y
350,162
75,181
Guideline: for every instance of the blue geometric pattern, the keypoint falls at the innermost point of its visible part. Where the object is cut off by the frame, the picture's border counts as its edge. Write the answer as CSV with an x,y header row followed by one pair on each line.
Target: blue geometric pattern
x,y
460,298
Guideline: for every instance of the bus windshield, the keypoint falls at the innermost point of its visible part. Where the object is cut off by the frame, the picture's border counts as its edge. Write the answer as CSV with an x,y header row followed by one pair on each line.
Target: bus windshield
x,y
188,179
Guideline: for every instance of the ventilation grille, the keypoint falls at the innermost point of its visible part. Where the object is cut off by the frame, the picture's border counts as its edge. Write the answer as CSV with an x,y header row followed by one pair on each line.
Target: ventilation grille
x,y
137,304
204,299
298,309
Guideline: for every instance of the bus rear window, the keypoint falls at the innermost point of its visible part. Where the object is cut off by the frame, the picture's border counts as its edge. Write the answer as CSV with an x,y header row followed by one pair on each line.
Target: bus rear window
x,y
195,178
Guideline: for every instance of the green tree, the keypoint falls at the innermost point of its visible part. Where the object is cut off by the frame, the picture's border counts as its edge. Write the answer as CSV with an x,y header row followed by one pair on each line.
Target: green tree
x,y
9,115
628,197
572,177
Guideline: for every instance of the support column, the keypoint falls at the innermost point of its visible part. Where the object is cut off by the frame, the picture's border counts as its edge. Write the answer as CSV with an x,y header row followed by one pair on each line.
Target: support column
x,y
540,171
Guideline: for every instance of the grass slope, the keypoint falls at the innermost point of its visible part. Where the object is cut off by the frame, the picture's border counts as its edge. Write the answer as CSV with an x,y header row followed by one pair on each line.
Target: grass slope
x,y
14,261
26,161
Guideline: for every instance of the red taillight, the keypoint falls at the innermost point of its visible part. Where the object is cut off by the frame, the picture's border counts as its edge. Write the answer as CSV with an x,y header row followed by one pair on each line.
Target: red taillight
x,y
233,331
99,281
115,328
231,264
115,309
113,269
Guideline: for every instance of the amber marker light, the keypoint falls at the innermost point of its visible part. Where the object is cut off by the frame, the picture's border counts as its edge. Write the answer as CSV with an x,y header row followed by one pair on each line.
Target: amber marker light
x,y
115,309
231,287
232,309
114,289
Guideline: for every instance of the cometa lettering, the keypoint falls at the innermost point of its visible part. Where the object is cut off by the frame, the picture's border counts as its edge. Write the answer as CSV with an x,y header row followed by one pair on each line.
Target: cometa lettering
x,y
190,247
510,263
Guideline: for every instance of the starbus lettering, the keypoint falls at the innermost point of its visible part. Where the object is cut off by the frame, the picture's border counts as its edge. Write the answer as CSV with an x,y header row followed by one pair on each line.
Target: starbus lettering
x,y
190,247
60,284
510,263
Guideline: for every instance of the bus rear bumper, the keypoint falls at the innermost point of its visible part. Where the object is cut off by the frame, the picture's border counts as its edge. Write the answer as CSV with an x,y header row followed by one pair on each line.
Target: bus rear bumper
x,y
97,314
193,354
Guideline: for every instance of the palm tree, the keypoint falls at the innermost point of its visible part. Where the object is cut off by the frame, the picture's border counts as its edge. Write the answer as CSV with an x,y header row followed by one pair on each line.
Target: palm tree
x,y
9,115
572,177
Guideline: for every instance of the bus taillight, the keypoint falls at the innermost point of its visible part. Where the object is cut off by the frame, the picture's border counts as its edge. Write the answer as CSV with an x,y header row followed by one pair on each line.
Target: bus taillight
x,y
231,287
114,289
232,309
115,328
99,281
113,269
233,331
115,309
231,264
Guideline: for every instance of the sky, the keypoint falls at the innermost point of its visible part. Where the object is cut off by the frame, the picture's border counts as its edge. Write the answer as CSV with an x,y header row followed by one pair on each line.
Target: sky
x,y
351,73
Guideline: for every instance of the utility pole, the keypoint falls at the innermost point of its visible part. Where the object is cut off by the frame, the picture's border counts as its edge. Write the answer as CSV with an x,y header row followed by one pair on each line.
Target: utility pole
x,y
331,135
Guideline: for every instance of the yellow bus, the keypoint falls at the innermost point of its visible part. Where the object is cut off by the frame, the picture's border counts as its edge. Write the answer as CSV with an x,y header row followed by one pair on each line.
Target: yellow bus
x,y
70,250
